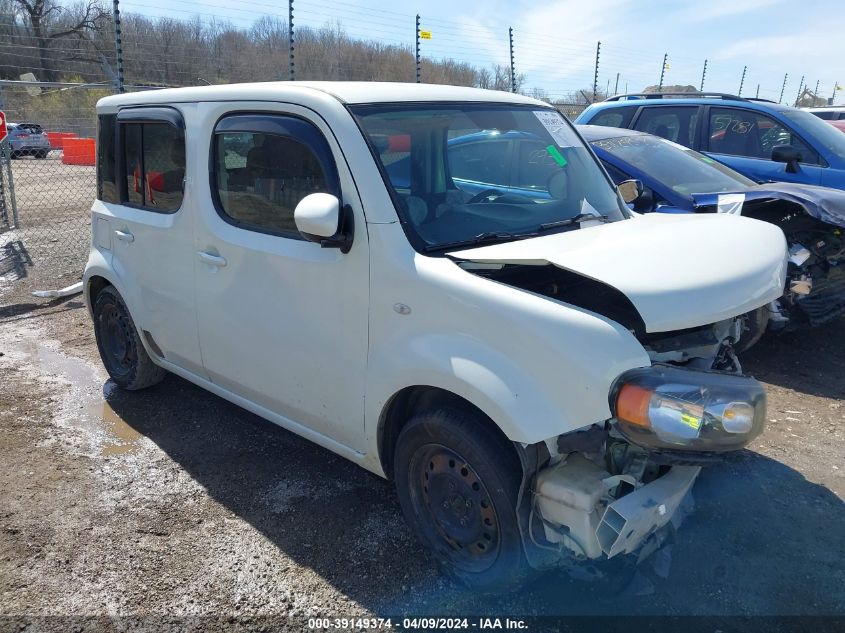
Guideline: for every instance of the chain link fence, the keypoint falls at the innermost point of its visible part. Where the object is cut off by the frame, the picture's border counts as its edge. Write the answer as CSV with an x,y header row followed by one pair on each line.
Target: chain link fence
x,y
48,183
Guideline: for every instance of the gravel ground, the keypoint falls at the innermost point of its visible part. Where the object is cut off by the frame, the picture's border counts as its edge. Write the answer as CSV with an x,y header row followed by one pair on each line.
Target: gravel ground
x,y
173,503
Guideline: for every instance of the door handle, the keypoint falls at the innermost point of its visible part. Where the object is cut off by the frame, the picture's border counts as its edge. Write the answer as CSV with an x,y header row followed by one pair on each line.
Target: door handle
x,y
124,236
212,260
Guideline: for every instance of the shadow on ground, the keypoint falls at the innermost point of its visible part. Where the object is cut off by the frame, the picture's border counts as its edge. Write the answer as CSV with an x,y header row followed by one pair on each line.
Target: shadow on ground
x,y
811,361
763,540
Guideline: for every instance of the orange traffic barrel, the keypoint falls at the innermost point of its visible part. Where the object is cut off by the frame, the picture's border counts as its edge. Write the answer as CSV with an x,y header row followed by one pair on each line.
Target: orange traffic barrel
x,y
79,151
57,139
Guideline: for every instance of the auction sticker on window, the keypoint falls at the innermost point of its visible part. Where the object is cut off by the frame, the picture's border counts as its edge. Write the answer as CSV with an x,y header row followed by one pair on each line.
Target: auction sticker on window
x,y
556,125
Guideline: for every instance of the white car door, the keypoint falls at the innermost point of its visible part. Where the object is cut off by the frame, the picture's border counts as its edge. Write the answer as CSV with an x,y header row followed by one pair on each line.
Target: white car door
x,y
282,321
152,232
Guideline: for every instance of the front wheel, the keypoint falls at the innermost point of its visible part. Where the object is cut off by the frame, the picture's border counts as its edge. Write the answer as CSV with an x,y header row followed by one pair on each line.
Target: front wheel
x,y
41,154
458,484
120,346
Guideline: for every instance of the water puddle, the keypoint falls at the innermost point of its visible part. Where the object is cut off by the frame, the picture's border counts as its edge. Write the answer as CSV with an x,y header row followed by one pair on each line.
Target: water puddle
x,y
84,406
123,438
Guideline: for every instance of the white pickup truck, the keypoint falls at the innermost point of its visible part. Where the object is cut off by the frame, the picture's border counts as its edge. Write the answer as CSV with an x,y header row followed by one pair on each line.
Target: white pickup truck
x,y
442,285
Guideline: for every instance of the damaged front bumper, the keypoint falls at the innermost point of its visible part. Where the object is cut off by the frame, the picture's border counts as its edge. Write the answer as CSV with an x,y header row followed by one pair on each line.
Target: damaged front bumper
x,y
629,521
582,509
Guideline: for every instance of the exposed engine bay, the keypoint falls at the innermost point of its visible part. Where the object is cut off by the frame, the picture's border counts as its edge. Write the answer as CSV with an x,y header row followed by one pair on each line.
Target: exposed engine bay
x,y
815,285
708,347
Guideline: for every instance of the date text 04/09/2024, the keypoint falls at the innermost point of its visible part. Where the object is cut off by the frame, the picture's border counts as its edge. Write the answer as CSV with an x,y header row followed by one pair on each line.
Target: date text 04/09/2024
x,y
424,623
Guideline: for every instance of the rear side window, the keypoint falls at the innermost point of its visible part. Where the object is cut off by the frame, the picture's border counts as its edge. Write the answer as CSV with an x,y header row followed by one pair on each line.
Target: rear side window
x,y
486,162
106,164
534,166
826,115
616,117
264,165
153,165
739,132
676,123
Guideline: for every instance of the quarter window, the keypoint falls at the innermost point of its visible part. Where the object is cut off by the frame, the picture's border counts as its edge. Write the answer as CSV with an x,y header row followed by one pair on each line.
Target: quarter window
x,y
615,117
745,133
153,165
264,166
106,159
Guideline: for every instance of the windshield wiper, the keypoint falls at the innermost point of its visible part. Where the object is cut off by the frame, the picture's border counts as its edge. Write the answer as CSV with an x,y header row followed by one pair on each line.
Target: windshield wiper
x,y
569,221
488,237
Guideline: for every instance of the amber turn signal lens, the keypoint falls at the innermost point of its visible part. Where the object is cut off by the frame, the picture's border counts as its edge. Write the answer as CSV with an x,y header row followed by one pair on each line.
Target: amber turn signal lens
x,y
632,405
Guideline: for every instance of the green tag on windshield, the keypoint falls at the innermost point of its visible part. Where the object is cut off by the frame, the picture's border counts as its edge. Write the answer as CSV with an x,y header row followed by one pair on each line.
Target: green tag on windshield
x,y
556,155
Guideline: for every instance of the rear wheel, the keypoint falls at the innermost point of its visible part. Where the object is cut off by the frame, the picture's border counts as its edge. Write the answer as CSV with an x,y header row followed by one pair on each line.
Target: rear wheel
x,y
458,485
120,346
41,154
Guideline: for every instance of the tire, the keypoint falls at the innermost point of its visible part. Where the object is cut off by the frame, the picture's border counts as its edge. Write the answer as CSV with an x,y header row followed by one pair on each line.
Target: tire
x,y
754,327
458,485
120,346
41,154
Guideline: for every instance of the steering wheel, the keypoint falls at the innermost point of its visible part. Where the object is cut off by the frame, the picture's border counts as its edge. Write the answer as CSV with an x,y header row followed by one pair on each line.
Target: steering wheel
x,y
483,195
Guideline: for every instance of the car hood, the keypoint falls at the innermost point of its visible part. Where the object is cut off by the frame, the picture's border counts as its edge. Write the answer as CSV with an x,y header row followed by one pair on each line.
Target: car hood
x,y
679,271
822,203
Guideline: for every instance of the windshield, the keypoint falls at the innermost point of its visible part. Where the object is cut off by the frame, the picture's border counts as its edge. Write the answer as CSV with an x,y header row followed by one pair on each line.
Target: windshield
x,y
478,172
824,133
681,169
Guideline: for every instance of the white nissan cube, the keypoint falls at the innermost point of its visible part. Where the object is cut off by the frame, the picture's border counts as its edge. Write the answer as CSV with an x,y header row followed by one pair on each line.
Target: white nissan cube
x,y
442,285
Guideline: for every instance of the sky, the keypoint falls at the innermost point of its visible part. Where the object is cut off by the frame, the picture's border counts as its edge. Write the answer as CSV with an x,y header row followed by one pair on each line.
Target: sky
x,y
555,41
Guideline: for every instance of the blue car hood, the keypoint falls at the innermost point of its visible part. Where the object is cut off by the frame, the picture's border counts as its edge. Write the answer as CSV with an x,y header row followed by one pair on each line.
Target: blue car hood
x,y
822,203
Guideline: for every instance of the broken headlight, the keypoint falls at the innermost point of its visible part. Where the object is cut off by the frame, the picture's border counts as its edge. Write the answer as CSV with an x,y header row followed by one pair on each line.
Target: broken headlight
x,y
677,409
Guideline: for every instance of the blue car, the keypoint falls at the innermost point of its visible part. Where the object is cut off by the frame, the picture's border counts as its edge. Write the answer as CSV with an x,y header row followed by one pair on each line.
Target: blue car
x,y
764,141
675,179
488,161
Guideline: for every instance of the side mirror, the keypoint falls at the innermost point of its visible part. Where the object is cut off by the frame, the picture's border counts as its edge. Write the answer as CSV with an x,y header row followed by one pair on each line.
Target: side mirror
x,y
630,190
319,218
789,155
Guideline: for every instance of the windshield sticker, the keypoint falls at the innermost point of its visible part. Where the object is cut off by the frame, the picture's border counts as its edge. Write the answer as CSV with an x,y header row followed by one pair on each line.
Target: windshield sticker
x,y
556,125
556,155
730,203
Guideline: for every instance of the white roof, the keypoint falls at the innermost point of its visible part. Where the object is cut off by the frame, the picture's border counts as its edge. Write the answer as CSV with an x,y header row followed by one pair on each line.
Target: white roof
x,y
344,91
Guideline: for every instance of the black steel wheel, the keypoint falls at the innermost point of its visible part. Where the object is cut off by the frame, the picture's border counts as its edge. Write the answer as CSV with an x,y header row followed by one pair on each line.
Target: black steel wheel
x,y
458,483
121,349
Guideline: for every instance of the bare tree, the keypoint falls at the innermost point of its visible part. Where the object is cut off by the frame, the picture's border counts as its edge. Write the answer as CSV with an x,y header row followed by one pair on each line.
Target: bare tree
x,y
50,22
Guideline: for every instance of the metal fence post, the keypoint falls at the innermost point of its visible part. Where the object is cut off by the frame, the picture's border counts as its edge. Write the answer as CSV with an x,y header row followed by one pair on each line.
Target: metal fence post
x,y
783,88
616,87
417,36
703,75
291,67
663,71
800,89
742,81
816,92
118,45
6,159
596,71
513,63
